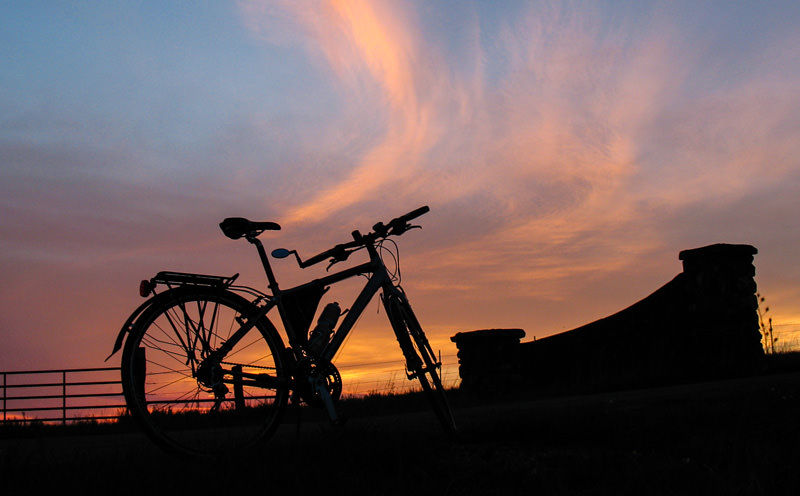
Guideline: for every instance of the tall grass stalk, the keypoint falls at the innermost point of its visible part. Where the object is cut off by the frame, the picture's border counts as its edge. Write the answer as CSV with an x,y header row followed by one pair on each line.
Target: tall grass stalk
x,y
767,331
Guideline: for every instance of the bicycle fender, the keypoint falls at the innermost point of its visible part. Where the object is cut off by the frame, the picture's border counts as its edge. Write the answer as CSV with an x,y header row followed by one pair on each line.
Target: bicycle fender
x,y
126,327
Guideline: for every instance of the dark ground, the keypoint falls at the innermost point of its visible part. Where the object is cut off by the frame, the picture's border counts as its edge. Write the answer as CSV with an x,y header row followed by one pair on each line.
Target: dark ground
x,y
729,437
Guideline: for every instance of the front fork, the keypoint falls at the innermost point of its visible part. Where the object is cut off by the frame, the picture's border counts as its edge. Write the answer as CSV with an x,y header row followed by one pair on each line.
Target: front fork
x,y
393,304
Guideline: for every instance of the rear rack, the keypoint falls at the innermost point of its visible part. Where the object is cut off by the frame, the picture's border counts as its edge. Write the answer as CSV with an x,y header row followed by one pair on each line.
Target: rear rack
x,y
171,279
181,278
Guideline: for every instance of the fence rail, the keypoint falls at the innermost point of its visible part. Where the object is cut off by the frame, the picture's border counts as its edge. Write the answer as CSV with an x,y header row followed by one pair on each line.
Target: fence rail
x,y
73,395
77,394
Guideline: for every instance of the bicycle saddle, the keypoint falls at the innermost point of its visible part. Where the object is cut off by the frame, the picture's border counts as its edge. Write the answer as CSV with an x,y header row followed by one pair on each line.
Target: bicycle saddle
x,y
236,227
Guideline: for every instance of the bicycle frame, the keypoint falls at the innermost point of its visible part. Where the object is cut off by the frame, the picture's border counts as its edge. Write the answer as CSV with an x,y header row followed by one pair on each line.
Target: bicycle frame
x,y
379,280
302,370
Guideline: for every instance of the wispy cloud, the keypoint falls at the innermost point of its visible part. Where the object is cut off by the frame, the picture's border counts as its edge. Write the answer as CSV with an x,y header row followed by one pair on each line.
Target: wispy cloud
x,y
374,49
564,127
563,147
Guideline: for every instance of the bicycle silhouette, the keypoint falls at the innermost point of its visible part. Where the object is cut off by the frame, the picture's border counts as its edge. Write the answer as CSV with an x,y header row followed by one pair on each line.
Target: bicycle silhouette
x,y
205,372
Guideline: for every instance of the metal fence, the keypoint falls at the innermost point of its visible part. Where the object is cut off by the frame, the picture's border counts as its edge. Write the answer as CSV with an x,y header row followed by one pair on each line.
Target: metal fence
x,y
66,395
73,395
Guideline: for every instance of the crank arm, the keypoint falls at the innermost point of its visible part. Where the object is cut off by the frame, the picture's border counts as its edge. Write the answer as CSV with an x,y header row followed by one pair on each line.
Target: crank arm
x,y
255,380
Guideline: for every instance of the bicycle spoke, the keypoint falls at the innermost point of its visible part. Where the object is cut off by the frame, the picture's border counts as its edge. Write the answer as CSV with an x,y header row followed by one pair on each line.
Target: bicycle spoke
x,y
177,352
195,358
183,393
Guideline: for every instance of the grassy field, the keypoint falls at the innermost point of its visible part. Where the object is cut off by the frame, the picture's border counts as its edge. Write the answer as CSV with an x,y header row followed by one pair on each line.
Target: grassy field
x,y
727,437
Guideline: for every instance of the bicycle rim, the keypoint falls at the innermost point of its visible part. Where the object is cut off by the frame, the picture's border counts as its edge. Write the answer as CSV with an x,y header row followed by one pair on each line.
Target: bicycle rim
x,y
211,417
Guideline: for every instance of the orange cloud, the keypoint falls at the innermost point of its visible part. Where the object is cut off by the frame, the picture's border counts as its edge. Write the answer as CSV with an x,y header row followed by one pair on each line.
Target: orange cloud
x,y
565,139
368,45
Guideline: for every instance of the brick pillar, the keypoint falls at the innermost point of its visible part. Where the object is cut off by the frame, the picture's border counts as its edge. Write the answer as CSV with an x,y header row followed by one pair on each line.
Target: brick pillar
x,y
488,359
720,282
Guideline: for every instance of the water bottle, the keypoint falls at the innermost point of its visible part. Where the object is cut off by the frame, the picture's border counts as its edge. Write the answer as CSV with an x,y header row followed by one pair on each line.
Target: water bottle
x,y
321,334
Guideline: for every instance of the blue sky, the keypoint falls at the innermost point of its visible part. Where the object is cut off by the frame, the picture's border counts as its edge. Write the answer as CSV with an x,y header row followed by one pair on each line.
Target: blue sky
x,y
568,151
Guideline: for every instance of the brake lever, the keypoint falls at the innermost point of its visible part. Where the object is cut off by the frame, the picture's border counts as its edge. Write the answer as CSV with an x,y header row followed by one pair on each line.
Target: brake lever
x,y
397,231
340,256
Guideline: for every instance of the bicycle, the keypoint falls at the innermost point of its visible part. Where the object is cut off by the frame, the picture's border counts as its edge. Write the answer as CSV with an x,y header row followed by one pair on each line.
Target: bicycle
x,y
205,372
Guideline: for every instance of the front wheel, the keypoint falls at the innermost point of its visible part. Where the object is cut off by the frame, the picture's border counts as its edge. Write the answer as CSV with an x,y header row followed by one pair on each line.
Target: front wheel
x,y
187,397
420,359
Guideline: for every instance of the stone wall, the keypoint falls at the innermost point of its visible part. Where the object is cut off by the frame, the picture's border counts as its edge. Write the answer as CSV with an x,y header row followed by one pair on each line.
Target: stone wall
x,y
701,325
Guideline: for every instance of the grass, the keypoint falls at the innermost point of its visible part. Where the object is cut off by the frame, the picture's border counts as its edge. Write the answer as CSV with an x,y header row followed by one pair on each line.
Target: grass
x,y
780,362
727,440
731,437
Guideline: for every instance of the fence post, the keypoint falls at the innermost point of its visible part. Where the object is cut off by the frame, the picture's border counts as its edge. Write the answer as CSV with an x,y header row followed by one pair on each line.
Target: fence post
x,y
238,389
139,372
63,397
4,397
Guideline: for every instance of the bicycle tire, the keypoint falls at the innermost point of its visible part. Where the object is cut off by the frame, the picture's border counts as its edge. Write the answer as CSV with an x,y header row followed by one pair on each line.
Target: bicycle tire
x,y
159,368
420,359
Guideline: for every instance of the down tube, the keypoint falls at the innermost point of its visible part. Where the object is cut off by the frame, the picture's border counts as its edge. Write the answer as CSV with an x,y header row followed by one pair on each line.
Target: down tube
x,y
375,283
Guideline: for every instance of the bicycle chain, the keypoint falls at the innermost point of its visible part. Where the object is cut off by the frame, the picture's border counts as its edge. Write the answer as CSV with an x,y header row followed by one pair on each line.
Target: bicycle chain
x,y
248,366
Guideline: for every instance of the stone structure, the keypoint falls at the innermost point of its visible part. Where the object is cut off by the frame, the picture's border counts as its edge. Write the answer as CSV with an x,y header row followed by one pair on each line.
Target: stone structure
x,y
701,325
489,359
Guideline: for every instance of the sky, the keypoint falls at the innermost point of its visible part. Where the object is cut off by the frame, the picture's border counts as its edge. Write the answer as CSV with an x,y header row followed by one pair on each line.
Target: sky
x,y
568,150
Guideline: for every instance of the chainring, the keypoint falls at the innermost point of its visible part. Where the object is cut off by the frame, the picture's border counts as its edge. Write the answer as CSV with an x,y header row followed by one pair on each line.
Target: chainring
x,y
307,371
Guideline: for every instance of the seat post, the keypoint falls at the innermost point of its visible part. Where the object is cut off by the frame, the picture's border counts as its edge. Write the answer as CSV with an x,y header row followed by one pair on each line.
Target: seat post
x,y
262,253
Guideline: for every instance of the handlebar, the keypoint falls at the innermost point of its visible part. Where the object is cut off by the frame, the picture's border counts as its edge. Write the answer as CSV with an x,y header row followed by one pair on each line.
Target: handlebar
x,y
394,227
400,224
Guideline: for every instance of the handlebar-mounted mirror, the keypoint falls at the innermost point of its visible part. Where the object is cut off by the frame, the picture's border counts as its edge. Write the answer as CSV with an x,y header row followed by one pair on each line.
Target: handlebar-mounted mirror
x,y
282,252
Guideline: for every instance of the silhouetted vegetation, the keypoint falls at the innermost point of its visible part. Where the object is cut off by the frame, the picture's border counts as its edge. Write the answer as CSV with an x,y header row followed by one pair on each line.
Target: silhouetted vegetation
x,y
729,437
767,331
371,404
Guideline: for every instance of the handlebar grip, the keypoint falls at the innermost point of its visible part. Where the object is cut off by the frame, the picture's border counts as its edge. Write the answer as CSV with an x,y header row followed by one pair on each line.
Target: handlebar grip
x,y
400,224
416,213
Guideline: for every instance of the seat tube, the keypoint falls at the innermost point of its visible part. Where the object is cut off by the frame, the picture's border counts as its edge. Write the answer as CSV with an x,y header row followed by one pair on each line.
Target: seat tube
x,y
272,283
262,253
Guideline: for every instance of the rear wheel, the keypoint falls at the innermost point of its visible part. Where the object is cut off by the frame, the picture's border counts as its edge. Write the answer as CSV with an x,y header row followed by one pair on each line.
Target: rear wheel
x,y
420,359
188,399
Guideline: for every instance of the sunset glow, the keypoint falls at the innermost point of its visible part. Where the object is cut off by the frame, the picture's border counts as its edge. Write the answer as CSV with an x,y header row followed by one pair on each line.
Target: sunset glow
x,y
568,151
